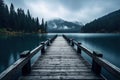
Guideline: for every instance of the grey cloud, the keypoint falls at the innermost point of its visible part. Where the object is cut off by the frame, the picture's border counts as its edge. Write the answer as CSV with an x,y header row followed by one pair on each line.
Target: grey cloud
x,y
17,3
82,10
76,5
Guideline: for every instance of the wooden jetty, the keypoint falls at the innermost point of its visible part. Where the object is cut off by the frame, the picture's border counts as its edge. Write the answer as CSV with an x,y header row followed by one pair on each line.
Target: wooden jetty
x,y
60,61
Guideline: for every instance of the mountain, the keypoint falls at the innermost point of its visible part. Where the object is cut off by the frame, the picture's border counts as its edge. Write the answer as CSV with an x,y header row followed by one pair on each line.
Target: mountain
x,y
62,26
107,24
79,23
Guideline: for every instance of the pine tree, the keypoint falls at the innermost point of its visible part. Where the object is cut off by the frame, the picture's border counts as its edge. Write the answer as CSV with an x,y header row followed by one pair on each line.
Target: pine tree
x,y
42,25
46,27
12,16
28,14
29,20
18,21
37,24
6,16
1,13
21,20
37,21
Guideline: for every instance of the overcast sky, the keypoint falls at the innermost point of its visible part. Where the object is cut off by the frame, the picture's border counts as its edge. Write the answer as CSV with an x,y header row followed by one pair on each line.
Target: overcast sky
x,y
71,10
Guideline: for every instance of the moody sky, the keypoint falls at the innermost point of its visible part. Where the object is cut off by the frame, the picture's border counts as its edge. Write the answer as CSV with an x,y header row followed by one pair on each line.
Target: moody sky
x,y
78,10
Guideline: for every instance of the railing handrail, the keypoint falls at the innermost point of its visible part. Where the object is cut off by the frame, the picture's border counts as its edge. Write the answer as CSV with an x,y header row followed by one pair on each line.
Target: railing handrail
x,y
10,71
100,61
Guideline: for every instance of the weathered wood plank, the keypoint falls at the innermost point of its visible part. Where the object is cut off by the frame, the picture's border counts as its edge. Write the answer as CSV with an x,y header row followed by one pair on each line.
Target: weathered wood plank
x,y
62,78
58,68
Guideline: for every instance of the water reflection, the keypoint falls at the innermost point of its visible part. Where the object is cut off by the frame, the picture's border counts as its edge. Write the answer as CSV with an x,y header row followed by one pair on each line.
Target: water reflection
x,y
12,46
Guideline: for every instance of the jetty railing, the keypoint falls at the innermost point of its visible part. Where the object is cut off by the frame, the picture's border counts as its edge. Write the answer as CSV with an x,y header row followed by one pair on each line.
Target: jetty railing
x,y
24,63
97,61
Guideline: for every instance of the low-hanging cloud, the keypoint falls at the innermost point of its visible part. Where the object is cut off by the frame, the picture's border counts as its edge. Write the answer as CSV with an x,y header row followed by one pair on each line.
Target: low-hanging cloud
x,y
79,10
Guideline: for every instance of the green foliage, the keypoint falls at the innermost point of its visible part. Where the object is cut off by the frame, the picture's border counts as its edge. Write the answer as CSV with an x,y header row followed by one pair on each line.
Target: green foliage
x,y
2,30
107,24
19,21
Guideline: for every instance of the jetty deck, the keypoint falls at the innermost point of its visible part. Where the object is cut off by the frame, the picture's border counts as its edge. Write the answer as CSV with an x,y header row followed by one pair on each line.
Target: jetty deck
x,y
61,62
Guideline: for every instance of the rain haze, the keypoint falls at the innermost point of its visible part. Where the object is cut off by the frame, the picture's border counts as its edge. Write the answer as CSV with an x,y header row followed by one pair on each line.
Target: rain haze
x,y
72,10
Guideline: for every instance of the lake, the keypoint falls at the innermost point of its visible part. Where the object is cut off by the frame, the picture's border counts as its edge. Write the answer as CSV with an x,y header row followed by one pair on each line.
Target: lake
x,y
107,44
12,46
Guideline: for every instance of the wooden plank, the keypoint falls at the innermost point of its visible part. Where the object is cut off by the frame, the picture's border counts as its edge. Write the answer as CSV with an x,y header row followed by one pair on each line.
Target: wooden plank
x,y
61,61
59,67
67,73
61,78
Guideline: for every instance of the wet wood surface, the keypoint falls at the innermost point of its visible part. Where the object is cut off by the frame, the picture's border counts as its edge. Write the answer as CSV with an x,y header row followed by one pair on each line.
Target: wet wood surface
x,y
61,62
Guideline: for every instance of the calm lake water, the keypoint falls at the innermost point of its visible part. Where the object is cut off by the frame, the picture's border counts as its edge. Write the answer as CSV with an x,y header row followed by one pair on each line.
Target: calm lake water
x,y
12,46
107,44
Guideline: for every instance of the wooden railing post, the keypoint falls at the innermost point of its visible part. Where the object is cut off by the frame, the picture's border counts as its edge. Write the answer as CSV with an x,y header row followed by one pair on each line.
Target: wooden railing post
x,y
72,43
27,67
78,48
95,66
43,48
48,42
69,41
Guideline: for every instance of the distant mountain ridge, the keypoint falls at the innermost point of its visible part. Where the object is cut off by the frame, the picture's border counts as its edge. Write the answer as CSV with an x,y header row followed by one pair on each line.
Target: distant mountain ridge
x,y
107,24
60,25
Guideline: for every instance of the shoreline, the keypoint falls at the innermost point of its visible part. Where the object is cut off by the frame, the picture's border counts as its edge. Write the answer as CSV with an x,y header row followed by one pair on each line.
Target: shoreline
x,y
15,33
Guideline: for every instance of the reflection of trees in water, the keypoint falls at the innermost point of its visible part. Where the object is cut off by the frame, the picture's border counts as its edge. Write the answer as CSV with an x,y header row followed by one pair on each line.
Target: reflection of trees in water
x,y
11,47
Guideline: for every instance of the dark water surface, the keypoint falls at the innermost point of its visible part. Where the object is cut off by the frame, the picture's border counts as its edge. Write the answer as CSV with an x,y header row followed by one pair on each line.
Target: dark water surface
x,y
107,44
12,46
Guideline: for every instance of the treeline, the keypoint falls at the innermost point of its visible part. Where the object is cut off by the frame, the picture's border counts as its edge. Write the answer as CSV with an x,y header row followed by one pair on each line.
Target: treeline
x,y
12,20
107,24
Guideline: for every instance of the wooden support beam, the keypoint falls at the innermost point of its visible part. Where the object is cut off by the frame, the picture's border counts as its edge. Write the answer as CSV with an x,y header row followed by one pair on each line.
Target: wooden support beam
x,y
71,42
78,48
27,67
43,48
48,44
95,66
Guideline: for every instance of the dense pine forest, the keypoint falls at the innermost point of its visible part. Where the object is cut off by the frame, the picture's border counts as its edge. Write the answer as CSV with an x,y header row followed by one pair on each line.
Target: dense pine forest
x,y
19,21
107,24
